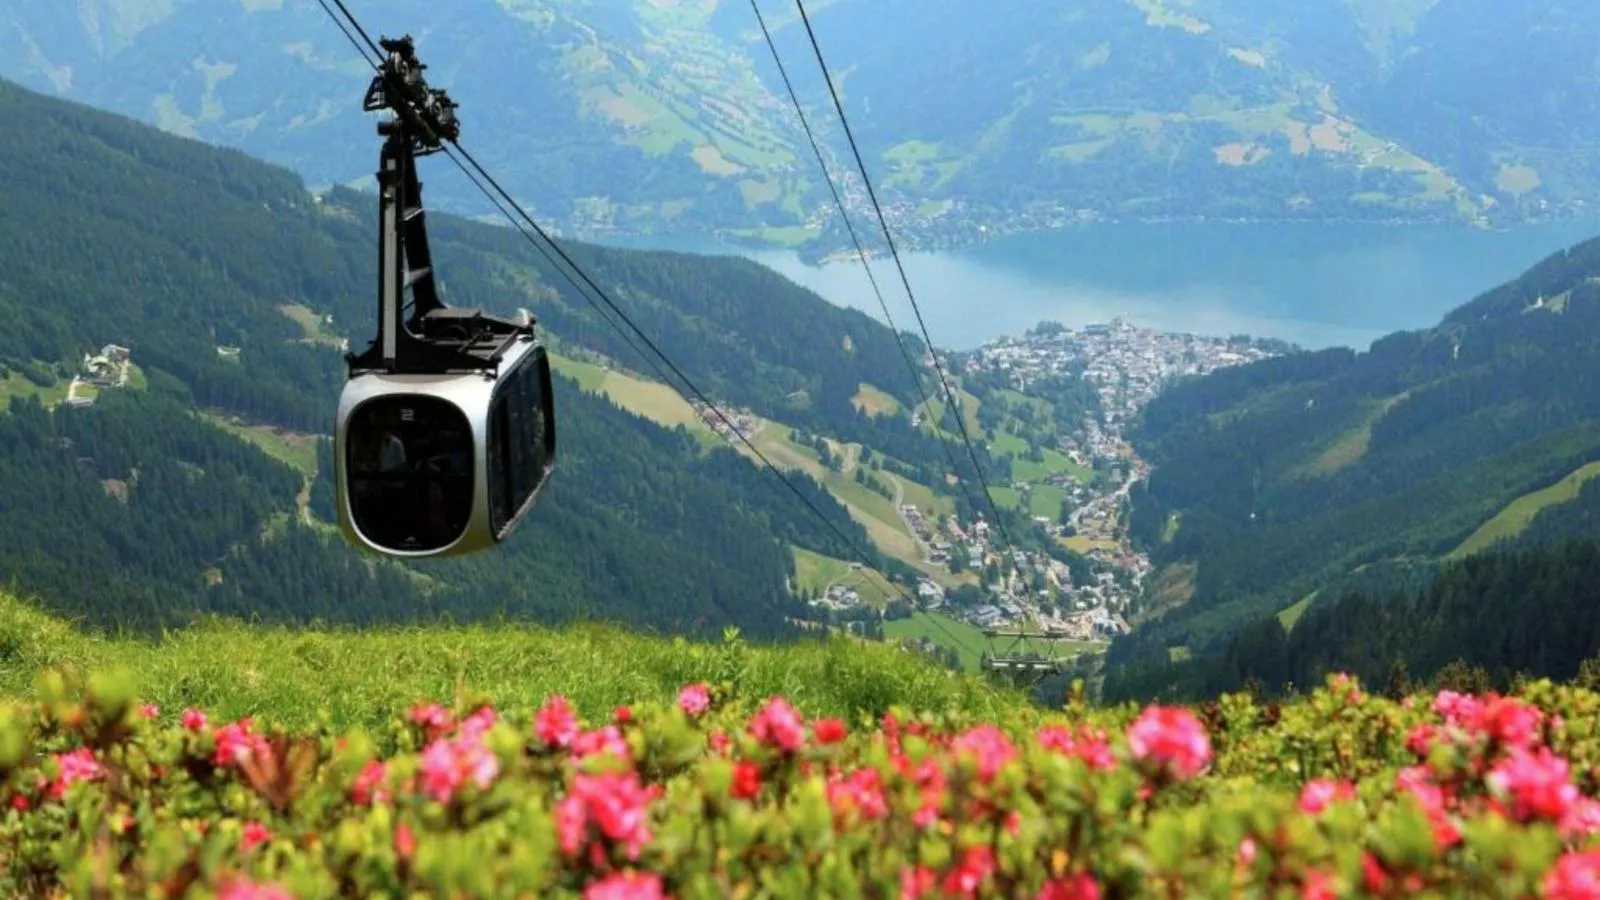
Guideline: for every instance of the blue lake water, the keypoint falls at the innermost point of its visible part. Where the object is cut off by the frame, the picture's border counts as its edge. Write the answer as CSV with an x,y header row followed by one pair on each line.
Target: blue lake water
x,y
1315,285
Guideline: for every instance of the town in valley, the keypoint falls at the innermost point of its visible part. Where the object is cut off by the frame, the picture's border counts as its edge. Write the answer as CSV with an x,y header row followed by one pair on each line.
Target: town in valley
x,y
1028,591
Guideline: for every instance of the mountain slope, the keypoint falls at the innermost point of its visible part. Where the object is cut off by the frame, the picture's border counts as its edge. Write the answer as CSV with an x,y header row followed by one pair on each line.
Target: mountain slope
x,y
185,254
646,117
1282,478
1530,611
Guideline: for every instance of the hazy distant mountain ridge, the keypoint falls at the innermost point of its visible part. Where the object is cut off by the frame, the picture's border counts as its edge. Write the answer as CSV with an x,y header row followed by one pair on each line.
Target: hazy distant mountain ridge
x,y
653,116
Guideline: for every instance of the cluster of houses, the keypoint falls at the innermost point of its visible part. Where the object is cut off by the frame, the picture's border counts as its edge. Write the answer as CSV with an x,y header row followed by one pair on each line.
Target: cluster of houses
x,y
105,370
718,419
1128,365
952,541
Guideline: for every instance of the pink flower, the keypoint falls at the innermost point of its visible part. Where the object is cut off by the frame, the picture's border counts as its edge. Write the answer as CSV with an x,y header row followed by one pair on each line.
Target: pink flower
x,y
1318,885
1172,738
746,780
828,731
254,835
1073,887
370,785
571,821
930,779
603,740
1341,682
1248,850
1091,746
859,793
779,725
695,699
977,864
626,886
1416,781
440,773
1581,819
915,882
1462,710
76,765
242,889
1511,722
1575,876
447,763
989,746
475,726
149,710
1537,782
194,719
1422,738
433,718
477,762
1318,794
555,722
235,743
615,802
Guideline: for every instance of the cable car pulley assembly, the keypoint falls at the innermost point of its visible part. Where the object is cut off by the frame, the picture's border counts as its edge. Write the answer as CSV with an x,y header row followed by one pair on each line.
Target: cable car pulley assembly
x,y
446,427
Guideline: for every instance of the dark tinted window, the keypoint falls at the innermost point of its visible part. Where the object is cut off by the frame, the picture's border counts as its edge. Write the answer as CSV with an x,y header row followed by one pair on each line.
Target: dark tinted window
x,y
519,457
409,470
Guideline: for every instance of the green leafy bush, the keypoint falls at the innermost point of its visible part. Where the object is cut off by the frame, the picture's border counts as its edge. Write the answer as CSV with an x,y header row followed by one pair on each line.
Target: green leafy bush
x,y
716,795
41,374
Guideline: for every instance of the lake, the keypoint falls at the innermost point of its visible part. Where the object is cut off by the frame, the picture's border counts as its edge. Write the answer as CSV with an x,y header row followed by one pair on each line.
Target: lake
x,y
1315,285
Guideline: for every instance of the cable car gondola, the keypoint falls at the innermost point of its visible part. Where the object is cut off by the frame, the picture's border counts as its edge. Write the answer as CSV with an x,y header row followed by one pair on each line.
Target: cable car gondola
x,y
446,427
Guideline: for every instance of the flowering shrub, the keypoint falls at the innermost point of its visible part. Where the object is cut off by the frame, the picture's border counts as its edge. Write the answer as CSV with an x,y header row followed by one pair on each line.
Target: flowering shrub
x,y
1338,794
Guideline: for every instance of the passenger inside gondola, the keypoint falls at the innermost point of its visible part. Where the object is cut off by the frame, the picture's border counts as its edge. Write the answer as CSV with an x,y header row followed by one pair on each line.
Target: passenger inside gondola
x,y
410,472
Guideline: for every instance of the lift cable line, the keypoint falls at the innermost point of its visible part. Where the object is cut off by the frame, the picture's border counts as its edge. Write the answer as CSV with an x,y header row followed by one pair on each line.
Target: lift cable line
x,y
916,377
586,280
356,25
766,463
551,259
933,351
1012,659
685,379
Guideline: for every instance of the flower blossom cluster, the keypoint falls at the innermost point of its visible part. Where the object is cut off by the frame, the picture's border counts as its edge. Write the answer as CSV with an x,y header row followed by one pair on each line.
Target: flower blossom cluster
x,y
709,795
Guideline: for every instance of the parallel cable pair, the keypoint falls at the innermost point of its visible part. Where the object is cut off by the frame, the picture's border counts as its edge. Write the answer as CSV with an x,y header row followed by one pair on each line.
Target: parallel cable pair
x,y
944,382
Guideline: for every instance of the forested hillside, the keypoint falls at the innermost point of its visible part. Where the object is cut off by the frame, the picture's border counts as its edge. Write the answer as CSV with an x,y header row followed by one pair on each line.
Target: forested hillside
x,y
639,116
1283,479
1533,611
218,273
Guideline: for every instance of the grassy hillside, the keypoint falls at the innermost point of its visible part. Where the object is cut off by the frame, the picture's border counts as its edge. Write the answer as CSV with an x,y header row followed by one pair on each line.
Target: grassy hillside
x,y
1515,518
296,677
879,515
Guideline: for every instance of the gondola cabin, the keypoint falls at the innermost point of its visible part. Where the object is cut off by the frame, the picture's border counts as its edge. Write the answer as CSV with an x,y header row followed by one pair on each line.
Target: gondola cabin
x,y
446,429
444,464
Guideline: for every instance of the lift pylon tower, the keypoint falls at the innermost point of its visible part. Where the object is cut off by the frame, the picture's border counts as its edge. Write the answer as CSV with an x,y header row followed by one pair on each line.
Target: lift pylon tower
x,y
1030,654
433,338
